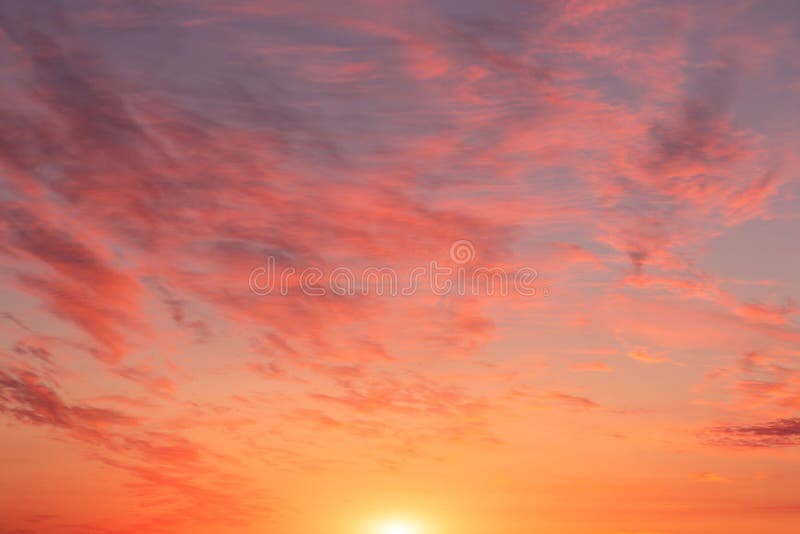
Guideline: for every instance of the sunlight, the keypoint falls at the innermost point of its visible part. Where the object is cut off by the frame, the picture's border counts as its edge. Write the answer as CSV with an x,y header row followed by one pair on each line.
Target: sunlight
x,y
397,527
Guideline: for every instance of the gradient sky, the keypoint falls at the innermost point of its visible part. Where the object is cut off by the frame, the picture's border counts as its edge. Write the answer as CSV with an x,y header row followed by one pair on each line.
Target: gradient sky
x,y
642,157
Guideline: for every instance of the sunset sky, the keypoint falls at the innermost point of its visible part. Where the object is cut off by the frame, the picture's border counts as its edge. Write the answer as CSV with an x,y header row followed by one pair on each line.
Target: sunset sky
x,y
205,206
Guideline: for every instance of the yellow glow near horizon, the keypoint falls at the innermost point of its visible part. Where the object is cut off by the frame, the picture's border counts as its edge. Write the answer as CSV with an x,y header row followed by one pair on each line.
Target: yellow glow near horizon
x,y
397,527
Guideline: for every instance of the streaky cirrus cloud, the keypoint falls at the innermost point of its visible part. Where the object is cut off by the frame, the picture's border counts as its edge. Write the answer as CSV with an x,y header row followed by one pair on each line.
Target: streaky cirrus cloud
x,y
639,157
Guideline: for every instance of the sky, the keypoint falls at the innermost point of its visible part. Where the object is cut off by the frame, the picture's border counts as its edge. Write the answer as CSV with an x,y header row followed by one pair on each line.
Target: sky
x,y
399,267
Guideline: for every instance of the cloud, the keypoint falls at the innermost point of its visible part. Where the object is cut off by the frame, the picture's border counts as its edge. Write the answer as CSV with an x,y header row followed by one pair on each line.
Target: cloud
x,y
30,349
776,433
707,476
700,139
151,158
164,463
765,380
590,367
644,356
572,400
83,287
27,398
157,385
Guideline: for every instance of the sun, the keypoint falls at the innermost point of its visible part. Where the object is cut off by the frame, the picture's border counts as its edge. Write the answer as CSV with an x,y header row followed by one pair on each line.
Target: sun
x,y
397,527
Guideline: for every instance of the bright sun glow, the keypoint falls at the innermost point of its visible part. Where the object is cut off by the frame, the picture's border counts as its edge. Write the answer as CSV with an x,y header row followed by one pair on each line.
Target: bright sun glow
x,y
397,527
